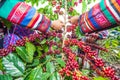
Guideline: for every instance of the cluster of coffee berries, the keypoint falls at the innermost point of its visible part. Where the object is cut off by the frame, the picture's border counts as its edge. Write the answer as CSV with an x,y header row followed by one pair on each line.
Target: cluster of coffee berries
x,y
77,75
71,28
97,47
4,52
115,78
84,78
20,42
91,54
109,72
70,9
86,49
71,42
64,72
99,62
57,5
52,34
71,63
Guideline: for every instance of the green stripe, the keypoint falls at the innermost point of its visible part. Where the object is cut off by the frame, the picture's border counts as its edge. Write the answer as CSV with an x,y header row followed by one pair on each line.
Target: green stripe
x,y
7,7
106,12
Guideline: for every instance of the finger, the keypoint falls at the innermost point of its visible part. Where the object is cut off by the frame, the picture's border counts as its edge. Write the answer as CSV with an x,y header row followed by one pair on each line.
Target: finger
x,y
60,21
62,25
69,20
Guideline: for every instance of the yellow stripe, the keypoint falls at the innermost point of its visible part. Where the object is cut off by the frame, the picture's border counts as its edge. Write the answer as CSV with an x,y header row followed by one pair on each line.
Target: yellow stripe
x,y
33,19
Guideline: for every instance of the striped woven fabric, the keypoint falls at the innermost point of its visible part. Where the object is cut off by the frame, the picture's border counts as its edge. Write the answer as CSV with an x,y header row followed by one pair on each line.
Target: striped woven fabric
x,y
103,15
103,34
24,15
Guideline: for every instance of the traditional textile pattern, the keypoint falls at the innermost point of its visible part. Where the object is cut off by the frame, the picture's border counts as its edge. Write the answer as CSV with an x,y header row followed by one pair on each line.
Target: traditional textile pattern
x,y
21,31
102,16
15,33
25,16
18,12
10,39
44,24
103,34
6,7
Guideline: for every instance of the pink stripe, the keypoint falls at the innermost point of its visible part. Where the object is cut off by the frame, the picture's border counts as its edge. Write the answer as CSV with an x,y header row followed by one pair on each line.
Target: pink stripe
x,y
25,13
118,1
13,10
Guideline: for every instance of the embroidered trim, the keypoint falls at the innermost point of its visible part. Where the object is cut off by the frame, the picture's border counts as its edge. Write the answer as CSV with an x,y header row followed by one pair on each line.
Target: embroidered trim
x,y
44,24
18,12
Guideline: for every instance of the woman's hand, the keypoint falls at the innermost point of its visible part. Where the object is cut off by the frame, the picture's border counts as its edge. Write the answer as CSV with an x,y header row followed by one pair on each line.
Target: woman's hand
x,y
74,20
57,24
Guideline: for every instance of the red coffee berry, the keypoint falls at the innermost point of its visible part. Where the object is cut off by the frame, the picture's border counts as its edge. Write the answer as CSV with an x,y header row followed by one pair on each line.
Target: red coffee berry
x,y
71,9
115,78
76,3
86,49
99,62
109,72
84,78
57,7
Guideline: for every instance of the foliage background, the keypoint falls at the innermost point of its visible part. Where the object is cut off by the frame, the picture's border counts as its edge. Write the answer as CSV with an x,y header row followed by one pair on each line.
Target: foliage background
x,y
24,65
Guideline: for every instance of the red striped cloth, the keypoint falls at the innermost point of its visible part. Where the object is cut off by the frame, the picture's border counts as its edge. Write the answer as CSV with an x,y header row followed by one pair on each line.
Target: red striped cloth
x,y
25,15
103,15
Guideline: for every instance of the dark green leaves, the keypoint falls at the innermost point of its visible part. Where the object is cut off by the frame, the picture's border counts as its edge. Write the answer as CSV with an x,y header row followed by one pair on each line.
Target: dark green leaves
x,y
5,77
23,53
13,65
35,74
26,53
50,67
61,62
30,48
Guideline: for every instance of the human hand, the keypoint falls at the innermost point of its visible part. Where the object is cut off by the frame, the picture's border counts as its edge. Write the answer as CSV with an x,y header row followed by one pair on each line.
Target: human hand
x,y
74,19
57,24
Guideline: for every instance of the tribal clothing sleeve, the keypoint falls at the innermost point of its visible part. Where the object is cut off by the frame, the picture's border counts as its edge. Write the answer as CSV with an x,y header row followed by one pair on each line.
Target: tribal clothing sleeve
x,y
20,13
103,34
102,16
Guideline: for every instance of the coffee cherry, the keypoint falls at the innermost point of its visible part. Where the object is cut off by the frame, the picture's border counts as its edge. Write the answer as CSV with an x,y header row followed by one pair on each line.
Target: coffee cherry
x,y
91,54
109,72
80,1
115,78
20,42
57,7
11,47
54,2
76,3
70,9
84,78
86,49
99,62
61,12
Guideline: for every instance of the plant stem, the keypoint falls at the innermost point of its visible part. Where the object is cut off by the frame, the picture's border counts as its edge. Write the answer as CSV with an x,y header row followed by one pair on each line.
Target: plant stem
x,y
65,28
65,21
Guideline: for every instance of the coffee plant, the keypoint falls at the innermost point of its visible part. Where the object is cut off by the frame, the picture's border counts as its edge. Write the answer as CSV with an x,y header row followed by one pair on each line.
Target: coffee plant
x,y
56,55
